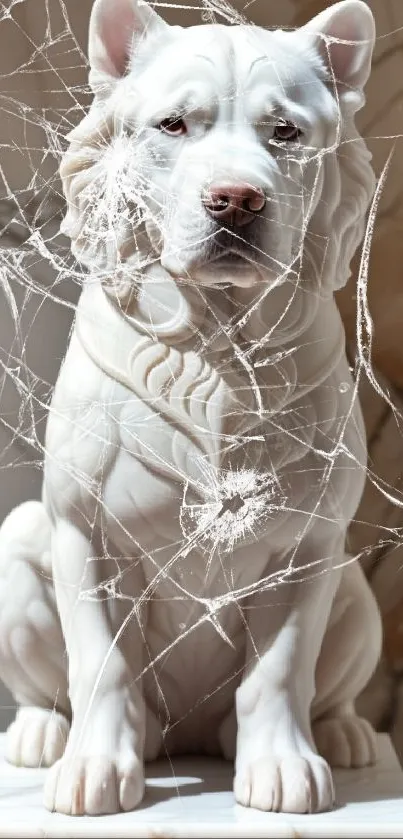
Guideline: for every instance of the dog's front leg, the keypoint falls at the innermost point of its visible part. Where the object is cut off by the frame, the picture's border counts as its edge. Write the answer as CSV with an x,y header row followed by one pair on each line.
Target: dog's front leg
x,y
102,768
277,766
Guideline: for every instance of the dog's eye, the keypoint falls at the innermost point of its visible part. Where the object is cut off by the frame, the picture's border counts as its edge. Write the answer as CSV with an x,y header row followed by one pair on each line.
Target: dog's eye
x,y
286,132
175,126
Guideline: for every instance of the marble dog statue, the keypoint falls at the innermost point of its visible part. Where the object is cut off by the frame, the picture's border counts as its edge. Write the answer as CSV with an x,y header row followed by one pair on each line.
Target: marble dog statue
x,y
184,586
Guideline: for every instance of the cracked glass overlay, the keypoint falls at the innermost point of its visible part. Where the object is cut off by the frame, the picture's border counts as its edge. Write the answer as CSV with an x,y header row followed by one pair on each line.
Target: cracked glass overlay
x,y
39,278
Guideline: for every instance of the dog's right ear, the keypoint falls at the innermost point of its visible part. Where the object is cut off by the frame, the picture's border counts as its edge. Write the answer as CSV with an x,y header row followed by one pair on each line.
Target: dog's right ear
x,y
115,26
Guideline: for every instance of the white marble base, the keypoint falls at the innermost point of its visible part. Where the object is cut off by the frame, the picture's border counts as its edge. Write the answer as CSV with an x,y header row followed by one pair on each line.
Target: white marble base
x,y
193,798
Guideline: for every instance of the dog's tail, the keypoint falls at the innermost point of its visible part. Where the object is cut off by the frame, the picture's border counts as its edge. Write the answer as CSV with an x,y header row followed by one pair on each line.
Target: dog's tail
x,y
25,534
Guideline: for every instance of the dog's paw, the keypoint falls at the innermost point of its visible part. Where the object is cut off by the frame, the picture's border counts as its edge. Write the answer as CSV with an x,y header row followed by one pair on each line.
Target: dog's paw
x,y
37,737
94,786
291,784
346,741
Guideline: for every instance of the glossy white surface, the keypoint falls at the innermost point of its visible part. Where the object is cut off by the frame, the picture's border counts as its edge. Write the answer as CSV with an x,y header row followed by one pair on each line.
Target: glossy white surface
x,y
197,801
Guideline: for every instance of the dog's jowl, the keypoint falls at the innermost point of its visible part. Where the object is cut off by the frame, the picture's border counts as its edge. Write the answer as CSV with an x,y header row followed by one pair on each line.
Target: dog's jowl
x,y
183,586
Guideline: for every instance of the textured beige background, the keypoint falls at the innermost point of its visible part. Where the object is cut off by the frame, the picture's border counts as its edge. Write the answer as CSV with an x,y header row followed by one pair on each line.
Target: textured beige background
x,y
42,78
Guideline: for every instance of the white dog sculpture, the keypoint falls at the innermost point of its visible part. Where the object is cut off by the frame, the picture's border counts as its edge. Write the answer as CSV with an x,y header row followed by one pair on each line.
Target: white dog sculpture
x,y
205,450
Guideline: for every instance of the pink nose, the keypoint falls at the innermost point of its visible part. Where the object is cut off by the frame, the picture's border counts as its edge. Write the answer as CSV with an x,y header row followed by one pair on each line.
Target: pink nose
x,y
235,204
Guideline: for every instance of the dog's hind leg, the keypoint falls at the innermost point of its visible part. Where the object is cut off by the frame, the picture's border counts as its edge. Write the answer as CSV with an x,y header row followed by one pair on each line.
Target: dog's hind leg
x,y
32,658
349,655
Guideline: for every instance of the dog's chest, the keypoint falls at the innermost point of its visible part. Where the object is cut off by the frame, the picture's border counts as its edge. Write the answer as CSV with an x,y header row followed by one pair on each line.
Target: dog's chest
x,y
201,410
203,423
200,454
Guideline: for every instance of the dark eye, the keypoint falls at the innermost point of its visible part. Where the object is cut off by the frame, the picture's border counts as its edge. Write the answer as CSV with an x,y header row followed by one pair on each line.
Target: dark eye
x,y
286,132
175,126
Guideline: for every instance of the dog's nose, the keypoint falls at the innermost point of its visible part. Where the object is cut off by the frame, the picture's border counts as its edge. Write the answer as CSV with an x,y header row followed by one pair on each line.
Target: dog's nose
x,y
235,204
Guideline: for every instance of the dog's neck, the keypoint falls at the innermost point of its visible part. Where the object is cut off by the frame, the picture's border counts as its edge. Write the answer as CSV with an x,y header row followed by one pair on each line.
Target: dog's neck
x,y
271,314
284,341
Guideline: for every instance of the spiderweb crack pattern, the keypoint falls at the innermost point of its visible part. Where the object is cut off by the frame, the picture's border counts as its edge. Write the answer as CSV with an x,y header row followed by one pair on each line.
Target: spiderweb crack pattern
x,y
228,508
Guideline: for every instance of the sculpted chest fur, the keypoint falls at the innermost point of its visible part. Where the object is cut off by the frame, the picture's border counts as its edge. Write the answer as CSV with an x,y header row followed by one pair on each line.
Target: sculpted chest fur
x,y
195,414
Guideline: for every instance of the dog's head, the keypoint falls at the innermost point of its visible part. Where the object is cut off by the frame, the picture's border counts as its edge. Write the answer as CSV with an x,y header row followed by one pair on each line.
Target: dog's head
x,y
227,153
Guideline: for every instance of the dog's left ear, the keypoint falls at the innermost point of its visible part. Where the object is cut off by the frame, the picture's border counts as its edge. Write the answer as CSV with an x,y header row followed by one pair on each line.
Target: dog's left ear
x,y
115,26
346,37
